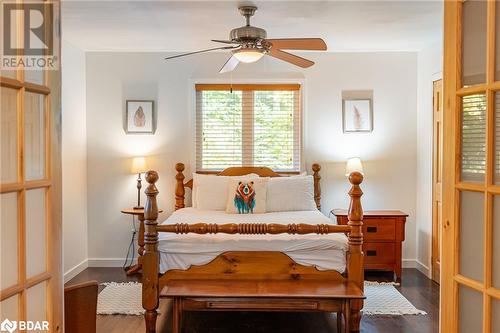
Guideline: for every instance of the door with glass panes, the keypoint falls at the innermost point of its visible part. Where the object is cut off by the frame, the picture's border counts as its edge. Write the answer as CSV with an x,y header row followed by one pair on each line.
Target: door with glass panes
x,y
30,192
470,275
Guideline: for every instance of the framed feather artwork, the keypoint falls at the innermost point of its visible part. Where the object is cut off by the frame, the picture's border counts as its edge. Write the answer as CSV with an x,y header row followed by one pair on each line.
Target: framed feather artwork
x,y
140,117
357,115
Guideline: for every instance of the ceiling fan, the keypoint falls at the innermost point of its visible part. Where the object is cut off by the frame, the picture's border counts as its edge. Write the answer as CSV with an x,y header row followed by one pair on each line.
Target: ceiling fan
x,y
249,44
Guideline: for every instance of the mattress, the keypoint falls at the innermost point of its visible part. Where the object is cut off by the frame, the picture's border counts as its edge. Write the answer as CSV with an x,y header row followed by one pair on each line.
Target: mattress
x,y
325,252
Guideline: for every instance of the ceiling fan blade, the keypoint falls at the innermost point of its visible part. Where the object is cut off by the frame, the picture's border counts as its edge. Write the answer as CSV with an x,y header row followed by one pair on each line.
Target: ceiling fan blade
x,y
298,44
291,58
224,41
201,51
230,65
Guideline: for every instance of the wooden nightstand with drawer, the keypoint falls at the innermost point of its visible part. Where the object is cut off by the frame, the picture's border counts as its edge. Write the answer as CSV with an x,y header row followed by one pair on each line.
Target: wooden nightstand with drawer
x,y
384,233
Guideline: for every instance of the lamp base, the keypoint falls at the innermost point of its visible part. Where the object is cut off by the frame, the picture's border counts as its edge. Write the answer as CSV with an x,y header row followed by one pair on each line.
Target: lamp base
x,y
138,207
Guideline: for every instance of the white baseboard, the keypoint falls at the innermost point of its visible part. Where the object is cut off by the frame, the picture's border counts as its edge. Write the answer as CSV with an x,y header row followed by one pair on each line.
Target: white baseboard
x,y
74,271
107,262
409,263
415,263
424,269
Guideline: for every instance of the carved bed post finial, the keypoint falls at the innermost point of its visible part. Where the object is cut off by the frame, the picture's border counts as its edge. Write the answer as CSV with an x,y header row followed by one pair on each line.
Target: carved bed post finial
x,y
179,186
355,261
317,188
151,259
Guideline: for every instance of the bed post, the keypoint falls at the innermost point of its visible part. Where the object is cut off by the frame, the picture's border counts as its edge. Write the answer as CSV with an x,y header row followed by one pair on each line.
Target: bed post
x,y
317,188
355,268
179,186
151,259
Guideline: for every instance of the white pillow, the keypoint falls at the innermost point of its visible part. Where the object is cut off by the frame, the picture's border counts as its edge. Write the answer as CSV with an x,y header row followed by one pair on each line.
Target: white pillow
x,y
210,191
290,194
247,196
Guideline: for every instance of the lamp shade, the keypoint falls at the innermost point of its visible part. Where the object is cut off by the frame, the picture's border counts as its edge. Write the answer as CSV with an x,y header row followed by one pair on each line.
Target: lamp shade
x,y
354,164
139,165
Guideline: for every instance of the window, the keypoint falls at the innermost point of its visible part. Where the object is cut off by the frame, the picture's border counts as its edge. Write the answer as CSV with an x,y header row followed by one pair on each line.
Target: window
x,y
474,137
248,125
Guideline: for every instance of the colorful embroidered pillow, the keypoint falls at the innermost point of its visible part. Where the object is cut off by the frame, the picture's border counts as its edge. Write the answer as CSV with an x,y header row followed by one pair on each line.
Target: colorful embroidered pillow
x,y
210,191
247,196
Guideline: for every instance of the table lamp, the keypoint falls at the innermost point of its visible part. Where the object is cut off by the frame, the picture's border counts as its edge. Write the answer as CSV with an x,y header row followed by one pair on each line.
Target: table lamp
x,y
139,166
353,164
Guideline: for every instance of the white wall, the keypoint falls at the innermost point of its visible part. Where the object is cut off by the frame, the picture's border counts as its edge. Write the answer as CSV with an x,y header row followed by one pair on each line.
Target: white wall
x,y
430,67
389,153
74,160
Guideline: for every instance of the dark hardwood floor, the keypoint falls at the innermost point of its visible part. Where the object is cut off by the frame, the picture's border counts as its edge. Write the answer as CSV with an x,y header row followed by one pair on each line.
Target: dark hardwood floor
x,y
415,286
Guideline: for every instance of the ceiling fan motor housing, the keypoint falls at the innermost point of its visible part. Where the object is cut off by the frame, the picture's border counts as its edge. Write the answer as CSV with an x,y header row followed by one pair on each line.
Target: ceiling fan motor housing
x,y
247,34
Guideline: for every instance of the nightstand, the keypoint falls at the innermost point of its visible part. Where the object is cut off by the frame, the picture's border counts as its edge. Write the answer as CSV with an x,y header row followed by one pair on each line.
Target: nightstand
x,y
384,233
139,212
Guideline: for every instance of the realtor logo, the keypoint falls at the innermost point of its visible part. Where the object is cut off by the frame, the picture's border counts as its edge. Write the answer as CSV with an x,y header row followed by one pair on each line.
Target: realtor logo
x,y
29,35
37,29
8,325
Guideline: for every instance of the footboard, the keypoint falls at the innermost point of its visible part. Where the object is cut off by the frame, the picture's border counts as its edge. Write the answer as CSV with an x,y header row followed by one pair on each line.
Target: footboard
x,y
271,264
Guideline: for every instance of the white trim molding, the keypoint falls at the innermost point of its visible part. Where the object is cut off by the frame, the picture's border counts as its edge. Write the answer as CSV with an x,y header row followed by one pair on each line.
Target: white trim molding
x,y
415,263
409,263
74,271
108,262
423,268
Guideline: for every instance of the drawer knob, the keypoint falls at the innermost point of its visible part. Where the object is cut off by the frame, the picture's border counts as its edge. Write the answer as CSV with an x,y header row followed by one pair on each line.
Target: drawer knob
x,y
371,253
371,229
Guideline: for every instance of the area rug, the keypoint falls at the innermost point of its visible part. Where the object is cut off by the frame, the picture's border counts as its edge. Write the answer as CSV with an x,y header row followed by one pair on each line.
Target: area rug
x,y
120,298
381,299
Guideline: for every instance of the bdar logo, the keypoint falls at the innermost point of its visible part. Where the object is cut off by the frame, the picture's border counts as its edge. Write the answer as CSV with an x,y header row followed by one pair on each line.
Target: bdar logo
x,y
8,325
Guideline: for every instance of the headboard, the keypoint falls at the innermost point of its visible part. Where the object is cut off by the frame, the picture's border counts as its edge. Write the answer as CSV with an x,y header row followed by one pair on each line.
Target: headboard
x,y
180,186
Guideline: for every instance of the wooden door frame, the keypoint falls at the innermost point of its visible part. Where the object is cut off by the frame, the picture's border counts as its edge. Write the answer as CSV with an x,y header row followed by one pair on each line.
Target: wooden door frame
x,y
51,182
436,240
452,185
449,290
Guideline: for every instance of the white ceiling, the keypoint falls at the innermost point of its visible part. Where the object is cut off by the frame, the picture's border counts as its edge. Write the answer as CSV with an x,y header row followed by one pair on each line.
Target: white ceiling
x,y
188,25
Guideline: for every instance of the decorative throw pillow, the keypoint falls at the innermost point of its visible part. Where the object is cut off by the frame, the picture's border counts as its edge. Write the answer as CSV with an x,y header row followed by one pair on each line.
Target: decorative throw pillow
x,y
290,194
247,196
210,191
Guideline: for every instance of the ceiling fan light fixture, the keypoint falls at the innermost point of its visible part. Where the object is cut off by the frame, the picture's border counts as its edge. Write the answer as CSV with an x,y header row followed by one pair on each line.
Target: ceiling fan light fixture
x,y
248,55
249,44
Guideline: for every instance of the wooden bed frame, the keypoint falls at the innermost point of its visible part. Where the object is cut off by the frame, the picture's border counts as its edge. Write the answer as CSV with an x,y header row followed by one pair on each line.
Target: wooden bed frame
x,y
252,265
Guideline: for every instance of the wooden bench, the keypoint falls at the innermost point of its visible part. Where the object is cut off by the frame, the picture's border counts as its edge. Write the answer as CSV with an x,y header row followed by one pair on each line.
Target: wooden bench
x,y
261,295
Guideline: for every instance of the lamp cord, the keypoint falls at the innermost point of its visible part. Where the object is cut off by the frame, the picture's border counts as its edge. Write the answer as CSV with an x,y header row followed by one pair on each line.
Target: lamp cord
x,y
131,246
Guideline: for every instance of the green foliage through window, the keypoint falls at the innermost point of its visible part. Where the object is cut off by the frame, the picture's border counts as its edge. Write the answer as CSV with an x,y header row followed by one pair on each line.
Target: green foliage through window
x,y
273,129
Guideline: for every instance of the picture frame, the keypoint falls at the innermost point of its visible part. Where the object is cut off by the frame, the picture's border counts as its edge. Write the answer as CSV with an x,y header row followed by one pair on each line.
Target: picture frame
x,y
357,115
140,117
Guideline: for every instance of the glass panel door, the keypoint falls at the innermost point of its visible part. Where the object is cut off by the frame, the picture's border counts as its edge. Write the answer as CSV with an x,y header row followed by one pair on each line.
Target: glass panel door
x,y
9,240
34,136
471,310
473,42
470,289
8,135
30,193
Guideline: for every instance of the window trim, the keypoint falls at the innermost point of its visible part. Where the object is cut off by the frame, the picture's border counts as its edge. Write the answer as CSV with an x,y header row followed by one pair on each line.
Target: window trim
x,y
264,85
246,87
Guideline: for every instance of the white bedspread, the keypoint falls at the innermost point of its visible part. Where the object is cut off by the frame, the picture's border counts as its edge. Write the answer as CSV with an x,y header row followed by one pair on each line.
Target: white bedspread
x,y
182,251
